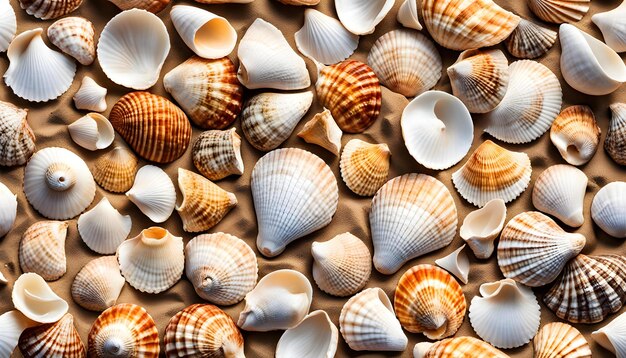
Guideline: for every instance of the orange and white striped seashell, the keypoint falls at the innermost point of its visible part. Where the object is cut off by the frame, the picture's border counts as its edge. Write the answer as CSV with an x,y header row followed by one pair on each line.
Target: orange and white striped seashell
x,y
323,131
217,154
576,134
42,249
361,17
103,228
92,131
364,166
481,227
153,6
560,191
115,171
98,284
452,347
74,36
13,323
559,11
17,140
615,141
8,26
530,40
49,9
153,192
32,296
457,263
315,333
90,96
612,336
8,210
608,207
560,340
59,339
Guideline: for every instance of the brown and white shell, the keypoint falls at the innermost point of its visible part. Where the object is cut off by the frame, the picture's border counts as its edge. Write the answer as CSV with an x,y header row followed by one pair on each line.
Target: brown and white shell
x,y
455,347
49,9
323,131
217,154
530,40
615,142
75,37
115,171
98,284
150,5
59,339
17,140
560,340
42,249
559,11
364,166
576,134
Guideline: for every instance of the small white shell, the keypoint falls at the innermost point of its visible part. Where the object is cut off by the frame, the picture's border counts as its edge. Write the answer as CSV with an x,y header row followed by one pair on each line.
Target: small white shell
x,y
324,39
98,284
609,207
613,26
314,337
92,131
560,191
481,227
74,36
361,16
90,96
153,192
103,228
33,297
323,131
457,263
8,209
407,15
8,24
613,336
13,323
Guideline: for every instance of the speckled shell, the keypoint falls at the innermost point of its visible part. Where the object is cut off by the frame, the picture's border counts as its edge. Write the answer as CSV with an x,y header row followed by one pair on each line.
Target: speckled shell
x,y
17,140
364,166
615,142
59,339
150,5
560,340
217,154
575,133
49,9
559,11
530,40
98,284
560,191
115,171
42,249
457,347
75,37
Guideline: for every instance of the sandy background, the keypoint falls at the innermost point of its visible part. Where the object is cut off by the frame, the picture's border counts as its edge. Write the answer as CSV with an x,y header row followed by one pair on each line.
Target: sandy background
x,y
49,122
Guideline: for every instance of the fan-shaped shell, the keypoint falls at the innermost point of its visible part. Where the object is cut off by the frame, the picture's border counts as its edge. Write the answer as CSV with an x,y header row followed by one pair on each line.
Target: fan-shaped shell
x,y
154,6
361,16
59,339
103,228
576,134
49,9
613,28
315,336
530,40
612,336
115,171
8,25
17,140
323,131
42,249
364,166
560,340
452,347
98,284
482,226
457,263
324,39
407,15
8,209
153,192
90,96
217,154
560,191
13,323
92,131
559,11
615,142
75,37
33,297
608,209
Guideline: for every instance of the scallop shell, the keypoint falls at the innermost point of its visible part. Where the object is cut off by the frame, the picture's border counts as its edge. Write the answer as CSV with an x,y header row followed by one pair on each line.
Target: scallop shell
x,y
153,126
267,61
530,40
115,171
124,330
324,39
559,11
144,42
492,172
560,191
221,267
480,78
352,93
31,61
217,154
280,300
364,166
608,208
90,96
315,337
429,300
560,340
615,142
13,323
268,119
507,315
154,194
612,336
341,265
411,215
103,228
576,134
368,322
75,37
49,9
613,28
92,131
203,331
153,261
17,140
42,249
453,347
407,15
8,209
154,6
530,105
208,90
457,263
406,62
8,25
437,129
323,131
59,339
481,227
33,297
98,284
298,188
361,16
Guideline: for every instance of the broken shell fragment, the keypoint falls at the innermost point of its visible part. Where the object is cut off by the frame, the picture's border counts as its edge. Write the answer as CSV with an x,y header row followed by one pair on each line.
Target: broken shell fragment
x,y
481,227
33,297
323,131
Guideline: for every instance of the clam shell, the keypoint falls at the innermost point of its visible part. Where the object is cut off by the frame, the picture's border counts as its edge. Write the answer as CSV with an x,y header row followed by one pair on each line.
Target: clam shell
x,y
33,297
612,25
8,209
576,134
608,208
17,140
481,227
98,284
451,347
457,263
59,339
92,131
530,40
13,323
217,154
115,171
361,16
407,15
559,11
615,142
8,25
323,131
49,9
560,191
153,192
75,37
90,96
612,336
324,39
154,6
206,34
364,166
103,228
315,333
560,340
42,249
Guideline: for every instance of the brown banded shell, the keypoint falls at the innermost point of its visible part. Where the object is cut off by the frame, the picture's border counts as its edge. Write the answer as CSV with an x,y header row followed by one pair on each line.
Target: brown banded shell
x,y
575,133
49,9
457,347
217,154
560,340
323,131
42,249
559,11
59,339
149,5
115,171
75,37
364,166
17,140
615,142
530,40
98,284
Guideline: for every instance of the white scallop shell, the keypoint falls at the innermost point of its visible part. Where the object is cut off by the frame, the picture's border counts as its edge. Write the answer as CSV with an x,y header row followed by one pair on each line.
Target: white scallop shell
x,y
481,227
361,16
13,323
103,228
324,39
613,336
8,209
8,24
407,15
560,191
457,263
98,284
314,337
92,131
90,96
613,26
33,297
153,192
609,207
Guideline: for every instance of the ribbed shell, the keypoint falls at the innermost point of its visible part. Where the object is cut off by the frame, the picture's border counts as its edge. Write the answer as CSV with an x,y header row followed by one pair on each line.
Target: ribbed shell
x,y
352,93
115,171
364,166
42,249
612,336
98,284
154,6
609,207
575,133
17,140
8,213
153,126
217,154
323,38
411,215
103,228
559,11
153,192
459,347
560,340
90,96
323,131
560,191
8,27
615,142
49,9
59,339
530,40
75,37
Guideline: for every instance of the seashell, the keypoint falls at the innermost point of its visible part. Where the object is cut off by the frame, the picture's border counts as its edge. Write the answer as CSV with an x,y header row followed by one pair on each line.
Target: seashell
x,y
615,142
437,129
591,288
153,261
98,284
587,64
612,336
467,24
300,2
115,171
280,300
533,249
558,339
576,134
406,62
8,209
42,249
530,105
315,336
206,34
452,347
323,131
480,79
507,315
559,11
411,215
324,39
608,208
103,228
492,172
268,119
280,180
92,131
8,25
74,36
221,267
3,280
481,227
143,39
59,339
368,322
154,194
206,89
124,330
341,265
429,300
32,61
361,16
13,323
267,61
33,297
613,27
364,166
154,6
354,112
152,125
203,331
49,9
457,263
90,96
530,40
217,154
58,183
560,191
407,15
17,140
224,1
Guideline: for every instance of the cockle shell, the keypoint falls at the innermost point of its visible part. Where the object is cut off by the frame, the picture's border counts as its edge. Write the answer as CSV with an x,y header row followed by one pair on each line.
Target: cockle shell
x,y
559,11
42,249
457,263
132,48
533,249
153,261
530,105
613,336
613,27
103,228
49,9
124,330
154,127
98,284
154,6
323,131
492,172
280,181
560,340
407,15
429,300
115,171
437,129
615,142
153,192
576,134
221,267
324,39
481,227
8,25
368,322
208,90
560,191
341,265
33,297
507,315
364,166
203,331
90,96
280,300
58,183
59,339
314,337
406,62
217,154
351,91
453,347
411,215
361,16
92,131
530,40
609,207
13,323
75,37
17,140
8,209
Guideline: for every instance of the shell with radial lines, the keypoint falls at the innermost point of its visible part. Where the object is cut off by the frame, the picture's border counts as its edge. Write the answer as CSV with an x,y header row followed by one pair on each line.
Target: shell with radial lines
x,y
217,154
115,171
98,284
559,11
323,131
608,208
481,227
615,142
453,347
153,192
530,40
613,28
576,134
324,39
154,6
49,9
13,323
103,228
613,336
8,25
92,131
361,17
560,340
364,166
32,296
315,333
8,209
90,96
59,339
75,37
17,139
42,249
560,191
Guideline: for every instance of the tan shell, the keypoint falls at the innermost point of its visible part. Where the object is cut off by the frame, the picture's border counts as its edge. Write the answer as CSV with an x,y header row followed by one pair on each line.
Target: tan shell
x,y
150,5
115,171
217,154
323,131
559,11
576,134
98,284
615,142
530,40
42,249
59,339
300,2
75,37
17,140
49,9
364,166
455,347
560,340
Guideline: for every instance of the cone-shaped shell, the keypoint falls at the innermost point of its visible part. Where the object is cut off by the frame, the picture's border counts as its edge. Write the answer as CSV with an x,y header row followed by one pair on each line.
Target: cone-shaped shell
x,y
324,39
217,154
8,26
560,191
75,37
615,142
90,96
42,249
92,131
364,166
411,215
154,193
59,339
115,171
560,340
453,347
33,297
49,9
98,284
8,209
407,15
103,228
613,336
17,140
323,131
481,227
559,11
315,333
576,134
361,17
530,40
13,323
154,6
613,28
457,263
608,209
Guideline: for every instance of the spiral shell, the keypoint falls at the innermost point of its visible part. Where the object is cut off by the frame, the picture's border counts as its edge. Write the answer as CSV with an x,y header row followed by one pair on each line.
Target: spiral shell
x,y
560,340
59,339
75,37
217,154
42,249
115,171
98,284
364,166
49,9
575,133
17,140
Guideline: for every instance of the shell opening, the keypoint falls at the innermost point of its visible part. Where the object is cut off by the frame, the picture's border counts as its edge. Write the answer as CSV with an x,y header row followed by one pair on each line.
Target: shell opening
x,y
60,177
505,290
215,34
608,59
154,236
443,109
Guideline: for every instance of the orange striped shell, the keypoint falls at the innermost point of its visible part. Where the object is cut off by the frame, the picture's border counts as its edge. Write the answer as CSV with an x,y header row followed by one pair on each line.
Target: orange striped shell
x,y
457,347
59,339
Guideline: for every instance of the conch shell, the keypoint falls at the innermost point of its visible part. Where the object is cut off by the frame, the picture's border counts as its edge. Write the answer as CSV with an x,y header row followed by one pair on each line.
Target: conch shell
x,y
92,132
613,28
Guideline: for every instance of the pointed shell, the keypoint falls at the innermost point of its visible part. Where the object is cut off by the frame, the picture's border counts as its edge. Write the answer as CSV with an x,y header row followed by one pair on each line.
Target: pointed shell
x,y
75,37
8,25
324,39
59,339
481,227
559,11
13,323
615,142
611,23
560,191
42,249
560,340
154,6
17,140
33,297
530,40
457,263
364,166
407,15
8,209
92,131
608,208
452,347
98,284
361,17
153,192
49,9
115,171
612,336
90,96
103,228
576,134
217,154
323,131
315,333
